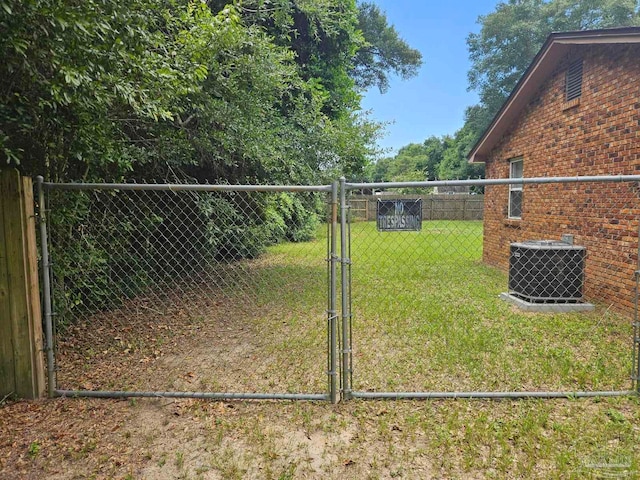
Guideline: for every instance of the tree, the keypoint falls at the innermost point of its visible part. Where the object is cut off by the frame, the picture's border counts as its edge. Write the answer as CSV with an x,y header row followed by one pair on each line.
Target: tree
x,y
258,91
79,80
413,162
434,151
335,45
323,37
511,36
383,51
454,163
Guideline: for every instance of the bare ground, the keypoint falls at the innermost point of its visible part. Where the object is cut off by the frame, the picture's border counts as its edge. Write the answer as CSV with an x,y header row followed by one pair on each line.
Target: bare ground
x,y
166,439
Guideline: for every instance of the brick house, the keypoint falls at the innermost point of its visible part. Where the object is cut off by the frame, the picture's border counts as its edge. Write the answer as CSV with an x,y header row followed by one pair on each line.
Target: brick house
x,y
575,112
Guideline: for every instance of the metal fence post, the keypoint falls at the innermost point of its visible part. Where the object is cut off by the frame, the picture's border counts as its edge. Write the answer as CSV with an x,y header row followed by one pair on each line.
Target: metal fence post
x,y
333,308
46,288
344,262
635,362
635,359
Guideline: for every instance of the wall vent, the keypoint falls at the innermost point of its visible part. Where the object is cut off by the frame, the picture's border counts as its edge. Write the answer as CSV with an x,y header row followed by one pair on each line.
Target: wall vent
x,y
573,86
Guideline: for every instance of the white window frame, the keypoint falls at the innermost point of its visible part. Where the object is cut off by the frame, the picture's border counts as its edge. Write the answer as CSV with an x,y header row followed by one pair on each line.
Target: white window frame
x,y
515,187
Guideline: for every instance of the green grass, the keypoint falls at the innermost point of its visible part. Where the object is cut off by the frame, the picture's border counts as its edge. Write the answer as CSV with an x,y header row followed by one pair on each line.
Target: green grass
x,y
427,317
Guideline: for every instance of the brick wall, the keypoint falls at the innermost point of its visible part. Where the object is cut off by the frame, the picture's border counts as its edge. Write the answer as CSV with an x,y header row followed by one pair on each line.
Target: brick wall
x,y
598,135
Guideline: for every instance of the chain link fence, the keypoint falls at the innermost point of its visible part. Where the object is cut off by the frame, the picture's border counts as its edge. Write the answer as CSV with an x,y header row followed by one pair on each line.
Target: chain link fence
x,y
189,288
511,305
232,291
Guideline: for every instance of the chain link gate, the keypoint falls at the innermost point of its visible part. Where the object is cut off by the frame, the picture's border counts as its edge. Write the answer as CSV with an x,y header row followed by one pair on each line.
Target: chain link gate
x,y
421,316
211,291
177,290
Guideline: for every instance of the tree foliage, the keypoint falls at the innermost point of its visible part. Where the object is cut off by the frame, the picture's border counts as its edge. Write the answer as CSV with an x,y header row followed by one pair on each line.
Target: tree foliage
x,y
71,71
454,163
382,51
265,90
437,158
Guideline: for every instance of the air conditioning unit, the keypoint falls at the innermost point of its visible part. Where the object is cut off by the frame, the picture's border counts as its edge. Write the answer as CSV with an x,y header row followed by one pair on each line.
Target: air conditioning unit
x,y
546,271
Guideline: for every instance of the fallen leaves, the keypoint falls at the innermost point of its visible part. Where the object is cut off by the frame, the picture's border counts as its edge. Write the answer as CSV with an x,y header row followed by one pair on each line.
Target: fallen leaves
x,y
42,438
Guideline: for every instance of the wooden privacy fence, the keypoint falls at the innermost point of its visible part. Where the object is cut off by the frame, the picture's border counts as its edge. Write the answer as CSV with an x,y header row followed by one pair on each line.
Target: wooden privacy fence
x,y
21,346
434,207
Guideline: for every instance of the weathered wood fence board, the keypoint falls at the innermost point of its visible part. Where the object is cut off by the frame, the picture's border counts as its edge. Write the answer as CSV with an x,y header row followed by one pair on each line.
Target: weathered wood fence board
x,y
7,375
434,207
21,346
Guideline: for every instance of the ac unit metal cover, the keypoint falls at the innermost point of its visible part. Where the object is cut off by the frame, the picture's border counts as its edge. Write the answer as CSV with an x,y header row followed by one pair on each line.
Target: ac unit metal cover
x,y
546,271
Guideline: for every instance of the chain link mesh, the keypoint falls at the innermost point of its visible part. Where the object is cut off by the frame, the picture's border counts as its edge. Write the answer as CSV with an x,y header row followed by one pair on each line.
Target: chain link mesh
x,y
189,290
228,291
426,312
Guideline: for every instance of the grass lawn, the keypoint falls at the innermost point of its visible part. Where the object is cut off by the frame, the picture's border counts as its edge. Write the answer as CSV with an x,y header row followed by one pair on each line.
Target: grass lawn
x,y
426,317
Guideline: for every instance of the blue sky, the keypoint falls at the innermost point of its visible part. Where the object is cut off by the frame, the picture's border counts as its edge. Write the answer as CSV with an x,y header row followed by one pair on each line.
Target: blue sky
x,y
433,102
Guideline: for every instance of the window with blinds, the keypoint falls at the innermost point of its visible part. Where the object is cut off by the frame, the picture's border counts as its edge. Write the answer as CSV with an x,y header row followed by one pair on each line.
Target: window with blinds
x,y
573,88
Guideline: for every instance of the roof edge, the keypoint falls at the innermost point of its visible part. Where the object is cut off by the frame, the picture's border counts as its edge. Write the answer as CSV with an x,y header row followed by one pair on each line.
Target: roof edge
x,y
556,44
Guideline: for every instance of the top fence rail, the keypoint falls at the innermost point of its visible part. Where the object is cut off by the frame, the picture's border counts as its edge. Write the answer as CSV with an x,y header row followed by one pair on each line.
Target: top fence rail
x,y
327,188
496,181
177,187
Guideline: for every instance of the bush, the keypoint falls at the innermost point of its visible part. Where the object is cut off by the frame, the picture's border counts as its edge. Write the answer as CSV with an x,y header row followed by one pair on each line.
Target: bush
x,y
110,246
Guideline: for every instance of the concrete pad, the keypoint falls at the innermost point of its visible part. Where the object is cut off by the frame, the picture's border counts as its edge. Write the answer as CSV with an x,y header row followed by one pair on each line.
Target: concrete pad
x,y
546,307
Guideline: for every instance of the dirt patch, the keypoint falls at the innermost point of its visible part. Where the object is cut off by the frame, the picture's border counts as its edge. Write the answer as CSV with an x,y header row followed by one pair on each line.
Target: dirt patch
x,y
65,439
168,351
168,439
